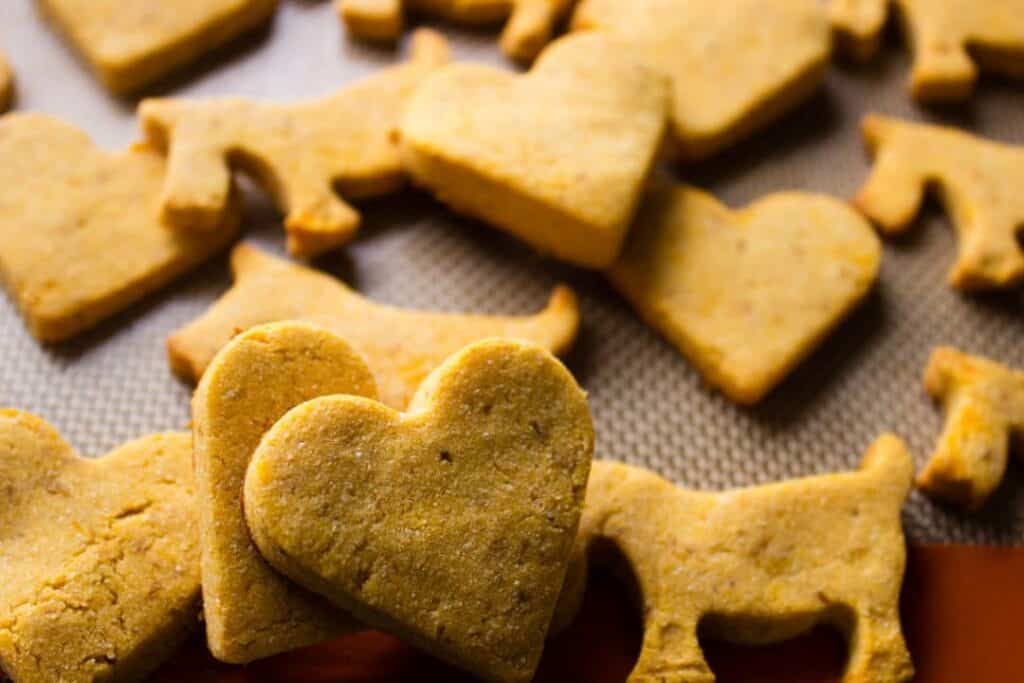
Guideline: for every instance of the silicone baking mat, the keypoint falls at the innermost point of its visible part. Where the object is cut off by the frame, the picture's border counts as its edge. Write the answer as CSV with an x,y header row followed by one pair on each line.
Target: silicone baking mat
x,y
650,406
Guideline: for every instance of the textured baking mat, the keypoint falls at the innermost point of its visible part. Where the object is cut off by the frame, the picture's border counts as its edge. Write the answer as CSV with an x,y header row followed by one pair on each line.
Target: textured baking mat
x,y
649,405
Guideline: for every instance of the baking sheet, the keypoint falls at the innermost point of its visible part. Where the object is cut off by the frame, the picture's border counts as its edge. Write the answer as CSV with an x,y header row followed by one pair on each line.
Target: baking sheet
x,y
650,406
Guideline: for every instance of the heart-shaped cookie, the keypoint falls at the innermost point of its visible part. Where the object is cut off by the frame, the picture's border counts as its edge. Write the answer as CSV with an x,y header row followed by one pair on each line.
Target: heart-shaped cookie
x,y
80,238
252,611
745,295
735,67
130,43
99,559
450,525
557,157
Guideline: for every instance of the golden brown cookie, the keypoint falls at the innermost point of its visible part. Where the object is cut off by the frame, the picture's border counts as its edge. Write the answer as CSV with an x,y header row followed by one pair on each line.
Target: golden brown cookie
x,y
303,154
6,84
99,559
951,40
131,43
984,403
977,181
450,525
401,347
558,157
80,239
530,26
745,294
735,68
251,611
759,565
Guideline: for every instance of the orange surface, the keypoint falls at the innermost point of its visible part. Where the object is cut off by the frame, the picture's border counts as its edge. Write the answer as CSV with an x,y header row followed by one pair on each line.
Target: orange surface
x,y
963,613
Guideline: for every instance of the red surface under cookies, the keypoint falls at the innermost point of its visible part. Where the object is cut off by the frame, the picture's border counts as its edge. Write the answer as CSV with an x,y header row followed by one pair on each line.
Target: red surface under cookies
x,y
962,610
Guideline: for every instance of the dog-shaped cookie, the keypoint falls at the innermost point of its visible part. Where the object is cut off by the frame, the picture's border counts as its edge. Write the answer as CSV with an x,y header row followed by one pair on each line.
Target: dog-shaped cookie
x,y
975,179
984,403
758,565
952,40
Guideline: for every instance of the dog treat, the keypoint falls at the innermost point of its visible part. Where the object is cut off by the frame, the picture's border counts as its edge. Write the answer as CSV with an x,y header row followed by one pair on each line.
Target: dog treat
x,y
401,347
557,157
304,154
984,403
747,294
976,181
252,611
759,565
734,70
530,26
80,239
950,39
99,559
6,84
451,525
131,43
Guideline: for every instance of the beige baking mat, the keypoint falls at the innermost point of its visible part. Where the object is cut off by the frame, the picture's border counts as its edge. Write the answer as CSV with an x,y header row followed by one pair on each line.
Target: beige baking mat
x,y
649,405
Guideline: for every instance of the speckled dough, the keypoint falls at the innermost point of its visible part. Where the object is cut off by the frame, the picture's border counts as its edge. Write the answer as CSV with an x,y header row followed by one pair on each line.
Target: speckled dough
x,y
951,39
530,26
984,403
80,238
6,84
450,525
557,157
977,180
99,559
747,294
251,611
759,565
303,154
131,43
735,68
401,347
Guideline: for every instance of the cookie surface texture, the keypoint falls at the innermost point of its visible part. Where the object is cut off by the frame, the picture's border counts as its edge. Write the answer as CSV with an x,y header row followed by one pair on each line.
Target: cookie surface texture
x,y
303,154
984,404
530,23
450,525
951,40
734,69
976,181
99,559
401,347
783,271
80,237
252,611
131,43
557,157
6,84
761,565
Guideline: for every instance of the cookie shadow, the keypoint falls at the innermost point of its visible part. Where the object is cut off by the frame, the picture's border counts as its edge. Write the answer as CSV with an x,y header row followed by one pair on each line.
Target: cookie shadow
x,y
811,123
